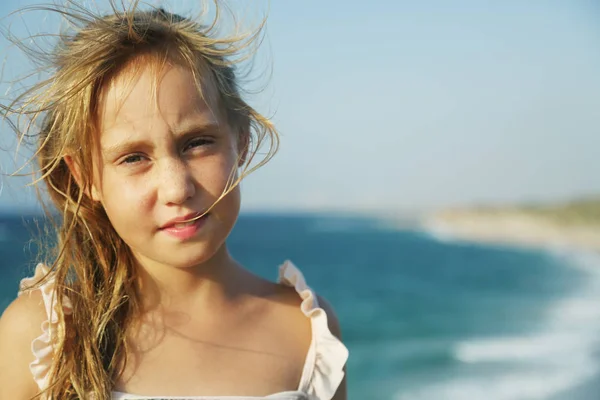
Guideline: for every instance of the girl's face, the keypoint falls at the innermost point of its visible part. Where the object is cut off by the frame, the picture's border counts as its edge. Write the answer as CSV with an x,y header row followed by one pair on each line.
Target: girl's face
x,y
165,154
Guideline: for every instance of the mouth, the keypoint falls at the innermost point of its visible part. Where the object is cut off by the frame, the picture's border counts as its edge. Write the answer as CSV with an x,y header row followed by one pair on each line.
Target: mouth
x,y
181,225
186,228
186,221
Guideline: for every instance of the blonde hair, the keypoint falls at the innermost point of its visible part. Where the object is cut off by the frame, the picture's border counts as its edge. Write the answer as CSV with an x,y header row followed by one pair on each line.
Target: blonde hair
x,y
91,264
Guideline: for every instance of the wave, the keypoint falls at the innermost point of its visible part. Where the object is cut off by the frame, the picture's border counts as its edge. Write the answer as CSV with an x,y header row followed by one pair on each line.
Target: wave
x,y
439,232
588,261
519,349
509,386
579,312
552,362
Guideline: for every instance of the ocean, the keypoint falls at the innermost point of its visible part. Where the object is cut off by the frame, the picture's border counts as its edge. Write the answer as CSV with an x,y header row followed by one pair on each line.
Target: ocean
x,y
425,317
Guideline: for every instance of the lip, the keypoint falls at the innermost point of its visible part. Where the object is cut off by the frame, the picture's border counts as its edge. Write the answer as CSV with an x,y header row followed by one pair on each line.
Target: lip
x,y
184,232
178,220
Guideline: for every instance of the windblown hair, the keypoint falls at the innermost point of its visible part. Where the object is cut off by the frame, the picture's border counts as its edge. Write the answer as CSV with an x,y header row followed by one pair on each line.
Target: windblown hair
x,y
91,264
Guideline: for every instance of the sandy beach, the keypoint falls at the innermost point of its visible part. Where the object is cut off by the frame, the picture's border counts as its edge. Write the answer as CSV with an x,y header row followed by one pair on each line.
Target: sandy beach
x,y
512,227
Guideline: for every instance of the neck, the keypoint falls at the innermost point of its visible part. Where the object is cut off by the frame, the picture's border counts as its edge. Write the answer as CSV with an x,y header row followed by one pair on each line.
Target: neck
x,y
211,282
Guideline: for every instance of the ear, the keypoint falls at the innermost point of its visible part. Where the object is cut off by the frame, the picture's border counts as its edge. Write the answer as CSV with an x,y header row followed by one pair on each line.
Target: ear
x,y
76,172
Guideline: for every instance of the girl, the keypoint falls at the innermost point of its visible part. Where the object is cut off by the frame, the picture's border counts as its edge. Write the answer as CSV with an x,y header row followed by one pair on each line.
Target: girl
x,y
143,140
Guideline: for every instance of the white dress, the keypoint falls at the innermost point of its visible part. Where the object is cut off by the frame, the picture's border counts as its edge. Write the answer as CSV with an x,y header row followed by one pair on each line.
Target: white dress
x,y
323,369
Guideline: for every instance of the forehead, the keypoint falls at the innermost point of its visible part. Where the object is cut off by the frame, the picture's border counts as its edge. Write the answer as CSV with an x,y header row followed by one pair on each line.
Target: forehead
x,y
147,93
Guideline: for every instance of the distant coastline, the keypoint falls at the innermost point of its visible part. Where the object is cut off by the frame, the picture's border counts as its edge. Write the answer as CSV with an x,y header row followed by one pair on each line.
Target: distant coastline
x,y
573,225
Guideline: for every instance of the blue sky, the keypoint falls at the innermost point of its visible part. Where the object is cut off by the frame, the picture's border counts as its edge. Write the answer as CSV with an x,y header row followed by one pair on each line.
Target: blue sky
x,y
396,105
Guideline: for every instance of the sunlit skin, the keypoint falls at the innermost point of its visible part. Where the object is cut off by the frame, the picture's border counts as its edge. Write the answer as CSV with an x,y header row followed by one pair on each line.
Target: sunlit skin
x,y
178,316
165,158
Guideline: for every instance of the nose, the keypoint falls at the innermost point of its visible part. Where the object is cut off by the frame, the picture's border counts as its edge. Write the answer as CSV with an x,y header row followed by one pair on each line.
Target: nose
x,y
175,183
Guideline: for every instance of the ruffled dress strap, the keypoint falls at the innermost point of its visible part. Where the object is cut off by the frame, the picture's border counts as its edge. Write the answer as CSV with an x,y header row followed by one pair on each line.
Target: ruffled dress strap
x,y
324,368
43,346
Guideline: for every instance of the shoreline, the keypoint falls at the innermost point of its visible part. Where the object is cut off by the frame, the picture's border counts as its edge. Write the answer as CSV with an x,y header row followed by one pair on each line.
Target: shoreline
x,y
512,228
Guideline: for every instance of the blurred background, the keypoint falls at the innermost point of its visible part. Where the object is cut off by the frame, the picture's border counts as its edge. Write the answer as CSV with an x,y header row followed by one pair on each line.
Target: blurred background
x,y
437,181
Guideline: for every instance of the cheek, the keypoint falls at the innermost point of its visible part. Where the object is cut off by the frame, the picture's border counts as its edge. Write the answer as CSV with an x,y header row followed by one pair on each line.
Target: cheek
x,y
213,175
123,199
212,179
228,208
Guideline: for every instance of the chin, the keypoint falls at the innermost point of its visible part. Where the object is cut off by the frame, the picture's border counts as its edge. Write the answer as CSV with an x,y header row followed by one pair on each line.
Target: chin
x,y
184,262
193,257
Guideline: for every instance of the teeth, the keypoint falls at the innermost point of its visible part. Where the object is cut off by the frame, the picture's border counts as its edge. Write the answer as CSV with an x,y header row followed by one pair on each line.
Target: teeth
x,y
183,224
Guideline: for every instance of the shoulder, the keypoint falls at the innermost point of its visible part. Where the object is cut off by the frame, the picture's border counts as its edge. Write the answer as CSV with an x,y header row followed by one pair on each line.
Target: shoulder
x,y
302,296
21,322
277,307
332,319
20,325
287,315
326,372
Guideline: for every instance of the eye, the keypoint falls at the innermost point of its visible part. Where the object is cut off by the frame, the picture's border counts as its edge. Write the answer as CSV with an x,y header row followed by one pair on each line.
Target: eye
x,y
132,159
197,142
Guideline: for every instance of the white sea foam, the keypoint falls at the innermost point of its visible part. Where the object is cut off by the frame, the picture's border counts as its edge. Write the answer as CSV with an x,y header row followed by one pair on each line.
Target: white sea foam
x,y
520,349
538,366
581,311
439,232
537,385
588,261
445,234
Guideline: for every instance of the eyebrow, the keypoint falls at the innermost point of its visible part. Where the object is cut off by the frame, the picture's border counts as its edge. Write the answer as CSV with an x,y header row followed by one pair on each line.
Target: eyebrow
x,y
124,147
186,128
181,132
